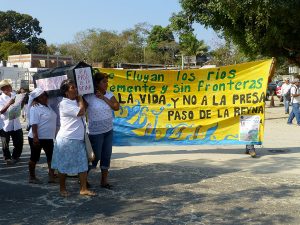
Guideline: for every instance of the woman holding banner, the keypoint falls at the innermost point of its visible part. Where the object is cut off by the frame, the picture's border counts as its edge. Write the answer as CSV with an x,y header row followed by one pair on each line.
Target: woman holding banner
x,y
69,155
100,123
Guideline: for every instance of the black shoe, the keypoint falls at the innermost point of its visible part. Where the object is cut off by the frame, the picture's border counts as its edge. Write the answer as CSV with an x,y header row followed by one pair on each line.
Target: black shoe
x,y
9,162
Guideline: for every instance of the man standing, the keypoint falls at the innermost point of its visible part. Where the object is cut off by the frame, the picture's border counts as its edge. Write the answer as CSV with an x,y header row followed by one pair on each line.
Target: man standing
x,y
286,95
12,127
295,99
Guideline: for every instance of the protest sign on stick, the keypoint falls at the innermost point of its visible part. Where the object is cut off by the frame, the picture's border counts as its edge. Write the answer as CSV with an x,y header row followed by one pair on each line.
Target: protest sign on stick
x,y
84,80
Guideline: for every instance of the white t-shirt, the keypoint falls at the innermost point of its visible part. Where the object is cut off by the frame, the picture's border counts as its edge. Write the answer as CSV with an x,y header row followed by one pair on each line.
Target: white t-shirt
x,y
100,115
71,125
8,125
45,118
295,90
285,88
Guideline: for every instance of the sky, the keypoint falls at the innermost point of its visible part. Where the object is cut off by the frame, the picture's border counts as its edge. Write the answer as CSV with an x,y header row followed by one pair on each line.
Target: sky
x,y
62,19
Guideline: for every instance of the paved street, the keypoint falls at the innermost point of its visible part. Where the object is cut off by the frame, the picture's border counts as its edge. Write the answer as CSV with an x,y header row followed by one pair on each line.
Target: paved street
x,y
170,185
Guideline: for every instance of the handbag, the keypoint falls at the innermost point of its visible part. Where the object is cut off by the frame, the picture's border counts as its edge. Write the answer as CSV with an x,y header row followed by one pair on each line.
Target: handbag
x,y
88,146
89,149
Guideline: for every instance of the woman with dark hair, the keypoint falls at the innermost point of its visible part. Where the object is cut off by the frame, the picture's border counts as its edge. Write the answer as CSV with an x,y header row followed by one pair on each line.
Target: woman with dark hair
x,y
42,120
100,124
69,156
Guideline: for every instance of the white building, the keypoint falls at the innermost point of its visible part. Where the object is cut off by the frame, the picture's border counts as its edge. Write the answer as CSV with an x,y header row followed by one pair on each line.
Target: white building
x,y
38,61
19,77
20,68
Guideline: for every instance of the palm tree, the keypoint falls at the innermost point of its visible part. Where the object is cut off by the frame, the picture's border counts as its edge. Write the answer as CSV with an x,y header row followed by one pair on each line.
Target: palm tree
x,y
191,46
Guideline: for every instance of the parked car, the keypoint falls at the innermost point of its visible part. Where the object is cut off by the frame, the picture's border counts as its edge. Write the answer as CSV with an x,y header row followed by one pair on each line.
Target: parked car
x,y
272,87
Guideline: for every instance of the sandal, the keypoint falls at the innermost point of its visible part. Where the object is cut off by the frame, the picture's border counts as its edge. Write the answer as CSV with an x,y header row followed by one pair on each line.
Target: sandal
x,y
107,186
88,185
88,193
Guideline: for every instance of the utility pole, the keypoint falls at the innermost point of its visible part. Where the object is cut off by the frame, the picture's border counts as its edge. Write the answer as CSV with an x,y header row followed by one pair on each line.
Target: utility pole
x,y
182,62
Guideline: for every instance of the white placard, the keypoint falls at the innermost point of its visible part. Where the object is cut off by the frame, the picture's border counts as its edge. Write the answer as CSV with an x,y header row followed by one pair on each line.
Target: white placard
x,y
50,83
249,128
14,111
84,80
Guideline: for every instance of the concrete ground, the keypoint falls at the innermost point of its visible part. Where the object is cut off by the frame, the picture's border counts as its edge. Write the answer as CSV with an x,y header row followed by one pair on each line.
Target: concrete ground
x,y
170,185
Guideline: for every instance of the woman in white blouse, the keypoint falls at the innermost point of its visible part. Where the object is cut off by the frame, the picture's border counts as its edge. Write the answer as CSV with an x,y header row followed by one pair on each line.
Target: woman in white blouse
x,y
100,123
42,120
69,156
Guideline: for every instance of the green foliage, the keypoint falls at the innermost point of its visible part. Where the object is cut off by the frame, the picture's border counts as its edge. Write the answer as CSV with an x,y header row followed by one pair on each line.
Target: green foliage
x,y
71,49
9,48
105,46
258,27
158,35
161,45
18,33
52,49
16,27
37,45
130,46
227,54
191,46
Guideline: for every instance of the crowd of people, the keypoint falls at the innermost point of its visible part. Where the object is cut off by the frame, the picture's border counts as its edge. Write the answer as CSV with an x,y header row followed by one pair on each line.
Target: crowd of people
x,y
290,94
58,125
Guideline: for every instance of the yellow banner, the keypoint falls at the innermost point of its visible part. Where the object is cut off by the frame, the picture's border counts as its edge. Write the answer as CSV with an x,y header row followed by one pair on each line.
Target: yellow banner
x,y
223,105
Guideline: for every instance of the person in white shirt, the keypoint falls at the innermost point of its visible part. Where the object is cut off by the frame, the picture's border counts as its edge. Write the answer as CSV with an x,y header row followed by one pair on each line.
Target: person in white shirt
x,y
100,124
295,99
41,134
12,127
285,93
69,154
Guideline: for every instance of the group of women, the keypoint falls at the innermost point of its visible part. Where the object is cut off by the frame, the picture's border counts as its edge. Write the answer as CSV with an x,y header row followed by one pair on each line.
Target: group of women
x,y
67,154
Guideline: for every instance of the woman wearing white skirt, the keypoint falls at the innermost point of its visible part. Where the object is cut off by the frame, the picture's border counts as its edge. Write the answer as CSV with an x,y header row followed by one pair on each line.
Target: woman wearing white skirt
x,y
69,155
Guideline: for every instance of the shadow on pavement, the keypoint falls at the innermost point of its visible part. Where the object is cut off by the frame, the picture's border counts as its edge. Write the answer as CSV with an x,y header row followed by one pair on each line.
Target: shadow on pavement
x,y
261,152
149,194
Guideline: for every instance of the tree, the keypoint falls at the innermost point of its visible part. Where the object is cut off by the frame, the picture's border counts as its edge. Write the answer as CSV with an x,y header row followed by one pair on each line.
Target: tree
x,y
52,49
159,34
15,27
133,44
92,46
191,46
267,28
37,45
130,47
111,48
161,40
226,54
9,48
71,49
